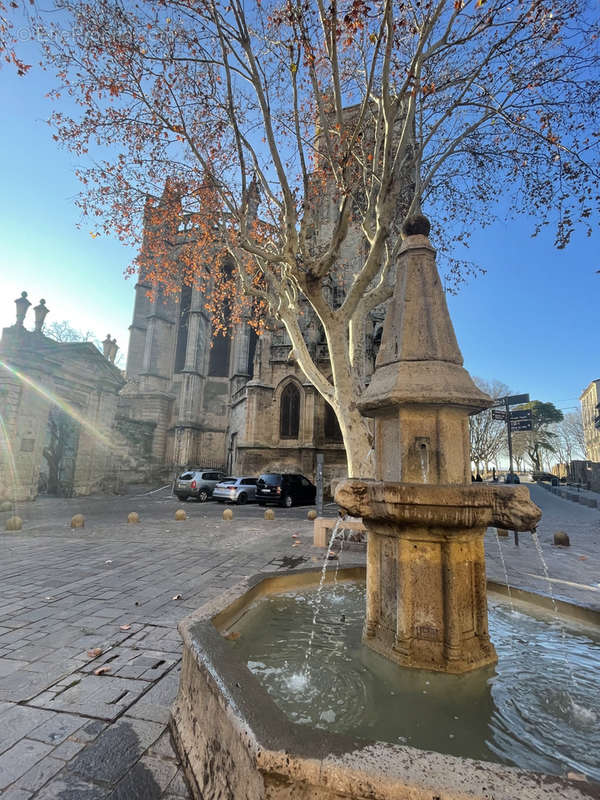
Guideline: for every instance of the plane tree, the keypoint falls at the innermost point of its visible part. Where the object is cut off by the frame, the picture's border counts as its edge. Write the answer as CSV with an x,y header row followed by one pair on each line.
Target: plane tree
x,y
304,134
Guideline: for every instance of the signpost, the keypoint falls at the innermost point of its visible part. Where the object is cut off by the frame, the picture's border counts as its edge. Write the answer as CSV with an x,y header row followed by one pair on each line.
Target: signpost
x,y
319,482
515,421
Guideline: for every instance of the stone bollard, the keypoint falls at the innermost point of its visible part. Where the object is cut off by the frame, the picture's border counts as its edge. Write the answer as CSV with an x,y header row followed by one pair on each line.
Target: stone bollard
x,y
501,531
14,524
561,539
180,514
228,514
133,516
6,506
269,514
312,514
78,521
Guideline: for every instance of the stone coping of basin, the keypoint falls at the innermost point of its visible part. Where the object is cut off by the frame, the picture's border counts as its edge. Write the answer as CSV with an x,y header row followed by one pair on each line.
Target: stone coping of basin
x,y
236,743
443,506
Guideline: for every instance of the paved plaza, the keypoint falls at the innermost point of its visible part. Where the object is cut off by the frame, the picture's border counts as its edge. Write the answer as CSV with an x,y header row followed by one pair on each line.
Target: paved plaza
x,y
67,733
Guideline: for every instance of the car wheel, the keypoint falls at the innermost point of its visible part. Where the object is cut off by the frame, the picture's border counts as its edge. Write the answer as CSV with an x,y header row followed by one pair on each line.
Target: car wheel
x,y
288,501
202,496
243,498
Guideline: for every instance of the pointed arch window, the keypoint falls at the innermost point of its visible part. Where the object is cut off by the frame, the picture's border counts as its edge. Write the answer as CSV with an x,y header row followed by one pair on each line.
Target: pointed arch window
x,y
289,413
332,427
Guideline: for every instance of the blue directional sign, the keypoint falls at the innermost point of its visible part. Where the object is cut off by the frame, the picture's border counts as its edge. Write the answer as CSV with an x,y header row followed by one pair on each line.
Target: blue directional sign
x,y
520,425
524,414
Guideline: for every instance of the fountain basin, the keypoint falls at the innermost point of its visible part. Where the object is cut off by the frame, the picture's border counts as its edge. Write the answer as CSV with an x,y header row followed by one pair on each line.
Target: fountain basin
x,y
236,743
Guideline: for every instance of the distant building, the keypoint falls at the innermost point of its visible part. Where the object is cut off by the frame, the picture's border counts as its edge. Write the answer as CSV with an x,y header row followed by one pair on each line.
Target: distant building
x,y
590,413
59,431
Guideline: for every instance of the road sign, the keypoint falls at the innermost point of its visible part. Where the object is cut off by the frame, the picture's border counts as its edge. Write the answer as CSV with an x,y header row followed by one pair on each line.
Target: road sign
x,y
498,414
520,425
524,414
516,399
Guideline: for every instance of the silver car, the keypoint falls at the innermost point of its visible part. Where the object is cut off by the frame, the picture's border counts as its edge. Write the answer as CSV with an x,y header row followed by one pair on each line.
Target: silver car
x,y
197,483
236,490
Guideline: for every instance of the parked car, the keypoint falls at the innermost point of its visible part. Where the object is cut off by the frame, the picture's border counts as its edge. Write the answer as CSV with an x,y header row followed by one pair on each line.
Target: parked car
x,y
235,490
285,489
543,476
197,483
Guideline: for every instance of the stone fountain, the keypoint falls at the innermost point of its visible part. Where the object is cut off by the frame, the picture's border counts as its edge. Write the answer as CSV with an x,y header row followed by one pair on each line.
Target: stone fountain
x,y
426,591
426,585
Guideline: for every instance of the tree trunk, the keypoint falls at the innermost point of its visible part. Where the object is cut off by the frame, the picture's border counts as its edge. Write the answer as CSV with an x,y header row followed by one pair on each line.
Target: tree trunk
x,y
358,440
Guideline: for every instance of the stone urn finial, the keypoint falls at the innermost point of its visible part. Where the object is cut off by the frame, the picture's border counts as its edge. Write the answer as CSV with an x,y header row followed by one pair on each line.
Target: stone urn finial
x,y
40,312
107,346
114,348
22,304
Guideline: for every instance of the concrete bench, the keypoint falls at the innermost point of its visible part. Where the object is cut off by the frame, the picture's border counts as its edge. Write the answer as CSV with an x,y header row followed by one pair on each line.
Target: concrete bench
x,y
324,528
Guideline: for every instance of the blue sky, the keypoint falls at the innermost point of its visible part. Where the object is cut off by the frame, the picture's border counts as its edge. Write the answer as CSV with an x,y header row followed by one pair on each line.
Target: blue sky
x,y
530,322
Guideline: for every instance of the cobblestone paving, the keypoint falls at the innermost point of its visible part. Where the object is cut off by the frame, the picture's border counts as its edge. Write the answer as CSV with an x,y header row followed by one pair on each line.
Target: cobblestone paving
x,y
69,734
65,732
574,571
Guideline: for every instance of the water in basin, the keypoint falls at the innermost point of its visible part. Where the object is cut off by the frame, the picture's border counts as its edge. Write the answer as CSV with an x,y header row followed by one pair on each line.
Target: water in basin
x,y
538,709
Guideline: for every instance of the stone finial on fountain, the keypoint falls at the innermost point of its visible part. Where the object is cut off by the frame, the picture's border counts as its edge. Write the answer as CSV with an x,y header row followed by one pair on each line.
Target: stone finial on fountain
x,y
40,312
22,304
420,394
107,346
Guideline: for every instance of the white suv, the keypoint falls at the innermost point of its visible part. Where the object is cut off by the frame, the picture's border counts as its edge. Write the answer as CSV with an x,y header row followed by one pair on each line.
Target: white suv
x,y
197,483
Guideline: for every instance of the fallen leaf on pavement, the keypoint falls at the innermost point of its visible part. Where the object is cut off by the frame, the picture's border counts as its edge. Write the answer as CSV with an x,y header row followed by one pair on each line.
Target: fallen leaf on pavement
x,y
232,636
583,558
125,627
576,776
296,544
108,561
101,670
176,597
95,652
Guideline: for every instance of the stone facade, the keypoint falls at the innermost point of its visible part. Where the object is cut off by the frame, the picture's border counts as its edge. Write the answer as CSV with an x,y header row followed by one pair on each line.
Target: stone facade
x,y
58,413
240,403
590,414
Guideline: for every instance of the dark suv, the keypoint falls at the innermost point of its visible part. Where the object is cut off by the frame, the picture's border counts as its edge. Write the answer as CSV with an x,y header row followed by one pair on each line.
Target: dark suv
x,y
285,489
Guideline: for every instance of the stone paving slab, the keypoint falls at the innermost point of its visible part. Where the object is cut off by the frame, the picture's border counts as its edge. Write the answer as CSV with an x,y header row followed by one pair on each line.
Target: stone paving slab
x,y
65,592
143,665
95,696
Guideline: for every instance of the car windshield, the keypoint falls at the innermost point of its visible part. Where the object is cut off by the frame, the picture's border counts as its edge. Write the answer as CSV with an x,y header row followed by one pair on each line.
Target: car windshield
x,y
271,478
229,480
187,476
